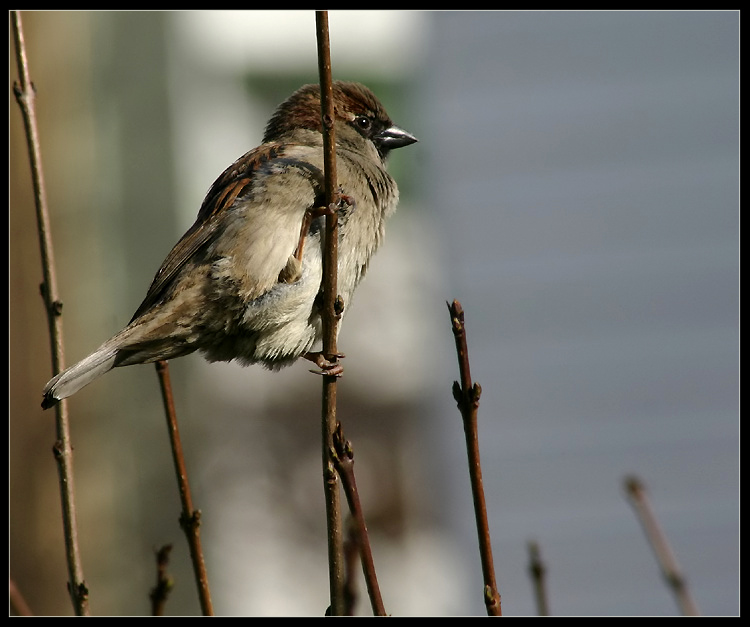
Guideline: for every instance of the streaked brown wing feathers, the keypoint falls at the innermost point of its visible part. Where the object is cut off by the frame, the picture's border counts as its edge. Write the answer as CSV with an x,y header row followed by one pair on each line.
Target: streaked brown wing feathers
x,y
223,193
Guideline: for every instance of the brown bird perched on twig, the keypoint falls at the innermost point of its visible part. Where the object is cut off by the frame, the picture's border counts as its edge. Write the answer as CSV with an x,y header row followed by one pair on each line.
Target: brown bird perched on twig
x,y
244,281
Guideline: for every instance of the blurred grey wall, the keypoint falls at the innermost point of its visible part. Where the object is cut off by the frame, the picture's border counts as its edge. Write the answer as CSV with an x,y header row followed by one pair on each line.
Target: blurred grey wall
x,y
584,170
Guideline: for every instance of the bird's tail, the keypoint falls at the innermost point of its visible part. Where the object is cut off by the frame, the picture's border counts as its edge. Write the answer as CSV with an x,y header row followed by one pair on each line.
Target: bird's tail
x,y
143,341
72,379
153,336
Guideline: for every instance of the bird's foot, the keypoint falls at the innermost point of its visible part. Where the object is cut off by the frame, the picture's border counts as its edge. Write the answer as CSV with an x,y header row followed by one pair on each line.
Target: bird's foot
x,y
328,364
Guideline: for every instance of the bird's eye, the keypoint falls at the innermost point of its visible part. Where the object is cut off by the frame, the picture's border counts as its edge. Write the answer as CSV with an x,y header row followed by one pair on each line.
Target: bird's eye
x,y
363,122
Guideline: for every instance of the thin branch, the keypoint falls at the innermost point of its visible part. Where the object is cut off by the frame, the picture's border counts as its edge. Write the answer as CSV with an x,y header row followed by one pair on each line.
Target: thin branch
x,y
164,583
467,397
538,573
62,449
343,460
664,556
190,518
330,314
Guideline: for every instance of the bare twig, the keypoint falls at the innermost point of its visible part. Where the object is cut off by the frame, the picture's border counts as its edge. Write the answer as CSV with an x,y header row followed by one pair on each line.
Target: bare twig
x,y
190,518
538,572
343,460
467,397
164,582
62,449
330,315
664,556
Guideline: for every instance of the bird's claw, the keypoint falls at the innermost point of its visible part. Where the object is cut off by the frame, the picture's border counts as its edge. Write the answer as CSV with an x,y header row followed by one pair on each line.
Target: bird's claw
x,y
345,201
292,274
328,364
342,201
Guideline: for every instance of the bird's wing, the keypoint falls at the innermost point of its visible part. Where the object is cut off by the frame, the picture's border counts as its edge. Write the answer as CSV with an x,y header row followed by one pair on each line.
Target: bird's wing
x,y
253,178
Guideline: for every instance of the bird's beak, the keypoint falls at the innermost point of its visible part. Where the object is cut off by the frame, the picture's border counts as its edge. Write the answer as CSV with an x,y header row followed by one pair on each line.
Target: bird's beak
x,y
394,137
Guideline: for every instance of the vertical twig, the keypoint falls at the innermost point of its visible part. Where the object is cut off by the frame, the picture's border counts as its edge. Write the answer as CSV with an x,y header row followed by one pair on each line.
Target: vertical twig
x,y
343,459
63,449
190,518
467,397
330,319
664,556
538,571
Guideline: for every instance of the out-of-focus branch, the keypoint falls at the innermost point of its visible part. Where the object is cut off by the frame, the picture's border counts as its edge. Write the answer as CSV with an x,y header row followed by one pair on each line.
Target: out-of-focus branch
x,y
190,518
538,573
18,604
330,315
664,556
467,397
63,450
351,557
164,582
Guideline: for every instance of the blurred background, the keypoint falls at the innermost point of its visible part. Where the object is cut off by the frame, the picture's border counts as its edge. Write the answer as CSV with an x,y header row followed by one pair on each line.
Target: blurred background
x,y
575,187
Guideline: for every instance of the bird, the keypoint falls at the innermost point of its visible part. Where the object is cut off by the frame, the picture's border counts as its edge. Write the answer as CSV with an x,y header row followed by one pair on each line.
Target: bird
x,y
244,282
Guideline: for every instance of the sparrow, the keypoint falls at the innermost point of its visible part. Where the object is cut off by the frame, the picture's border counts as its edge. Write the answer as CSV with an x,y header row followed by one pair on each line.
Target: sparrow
x,y
244,283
